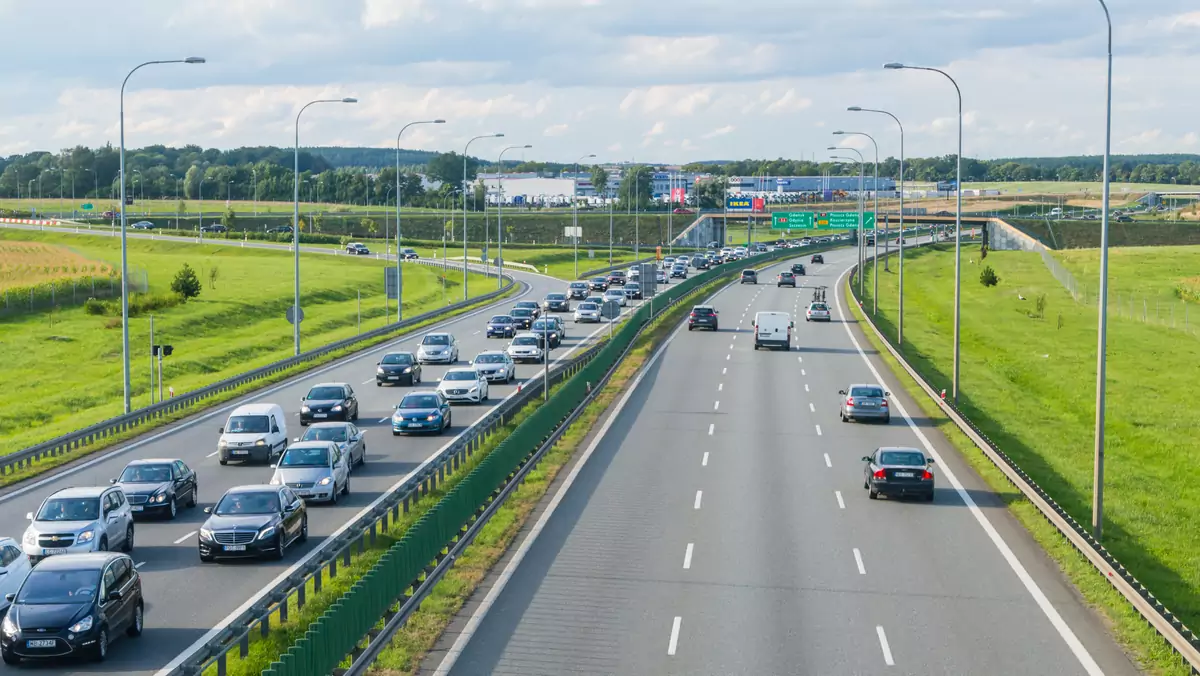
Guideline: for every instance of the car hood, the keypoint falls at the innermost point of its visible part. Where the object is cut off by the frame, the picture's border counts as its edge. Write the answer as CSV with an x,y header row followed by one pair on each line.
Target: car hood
x,y
290,475
456,384
498,366
142,488
499,325
60,526
433,349
416,412
322,403
48,615
523,348
239,522
394,367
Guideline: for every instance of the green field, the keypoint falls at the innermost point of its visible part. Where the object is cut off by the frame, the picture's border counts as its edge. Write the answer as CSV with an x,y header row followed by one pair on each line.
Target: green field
x,y
1161,274
1070,187
211,207
68,363
1029,383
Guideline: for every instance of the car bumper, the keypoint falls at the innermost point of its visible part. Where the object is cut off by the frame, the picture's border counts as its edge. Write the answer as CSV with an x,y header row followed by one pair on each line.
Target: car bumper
x,y
255,453
37,553
817,318
787,344
469,398
435,359
394,378
502,333
254,550
316,493
323,417
410,426
62,646
703,325
150,509
494,376
868,414
587,318
526,357
923,489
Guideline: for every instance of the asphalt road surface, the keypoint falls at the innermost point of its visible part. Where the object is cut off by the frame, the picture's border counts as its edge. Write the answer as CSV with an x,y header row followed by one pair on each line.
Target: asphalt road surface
x,y
720,526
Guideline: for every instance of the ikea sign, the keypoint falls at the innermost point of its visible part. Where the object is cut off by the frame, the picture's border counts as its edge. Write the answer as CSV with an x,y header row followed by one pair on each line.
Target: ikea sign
x,y
739,203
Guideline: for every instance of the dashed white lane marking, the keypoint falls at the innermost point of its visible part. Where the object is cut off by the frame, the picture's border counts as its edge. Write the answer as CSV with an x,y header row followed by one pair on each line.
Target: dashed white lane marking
x,y
383,420
717,405
711,427
727,357
883,643
731,346
188,535
704,460
735,336
862,570
800,359
818,430
368,382
724,369
805,387
720,386
828,462
139,564
841,503
811,408
674,642
803,372
212,454
687,557
699,495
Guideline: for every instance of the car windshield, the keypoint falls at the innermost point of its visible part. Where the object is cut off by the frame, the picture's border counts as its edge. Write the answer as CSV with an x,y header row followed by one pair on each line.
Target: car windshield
x,y
522,312
588,306
338,434
556,296
525,340
70,509
490,359
819,307
54,587
748,273
419,401
305,456
326,393
248,424
785,275
906,458
146,474
866,392
599,280
633,285
528,304
702,310
436,339
541,325
578,285
404,359
408,251
613,294
460,375
501,319
262,502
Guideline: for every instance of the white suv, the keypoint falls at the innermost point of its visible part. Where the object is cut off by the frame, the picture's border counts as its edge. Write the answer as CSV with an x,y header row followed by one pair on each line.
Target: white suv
x,y
75,520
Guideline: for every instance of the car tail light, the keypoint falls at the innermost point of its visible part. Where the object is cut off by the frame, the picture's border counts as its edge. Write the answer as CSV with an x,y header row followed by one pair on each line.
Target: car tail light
x,y
879,474
850,401
883,403
926,475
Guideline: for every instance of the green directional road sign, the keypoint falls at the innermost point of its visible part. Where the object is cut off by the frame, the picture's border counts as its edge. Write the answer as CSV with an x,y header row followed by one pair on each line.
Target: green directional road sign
x,y
86,207
844,220
792,220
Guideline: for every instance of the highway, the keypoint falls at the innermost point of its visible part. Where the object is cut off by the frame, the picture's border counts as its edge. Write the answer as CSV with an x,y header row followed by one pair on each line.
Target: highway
x,y
184,598
718,525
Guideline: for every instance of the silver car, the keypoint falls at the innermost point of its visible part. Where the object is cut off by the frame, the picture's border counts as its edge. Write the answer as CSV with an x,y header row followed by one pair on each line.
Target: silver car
x,y
864,402
587,312
75,520
438,348
495,366
315,470
525,347
351,441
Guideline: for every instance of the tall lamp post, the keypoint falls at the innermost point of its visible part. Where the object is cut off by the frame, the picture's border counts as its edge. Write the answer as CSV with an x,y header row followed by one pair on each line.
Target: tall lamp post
x,y
500,213
861,248
900,311
464,200
1102,333
399,278
124,246
875,229
957,214
575,210
296,218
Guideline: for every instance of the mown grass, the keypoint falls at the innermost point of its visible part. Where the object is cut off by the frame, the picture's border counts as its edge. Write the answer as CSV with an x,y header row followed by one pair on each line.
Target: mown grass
x,y
69,369
1065,187
1156,273
1029,383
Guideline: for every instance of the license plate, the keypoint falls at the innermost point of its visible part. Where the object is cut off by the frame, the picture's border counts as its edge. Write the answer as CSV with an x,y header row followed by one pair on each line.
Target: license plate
x,y
136,508
905,475
867,404
241,452
235,548
416,424
320,415
393,377
40,643
53,552
304,494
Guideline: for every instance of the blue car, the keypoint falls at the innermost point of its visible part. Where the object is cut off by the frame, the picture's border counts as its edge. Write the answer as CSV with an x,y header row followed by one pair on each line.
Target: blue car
x,y
422,411
502,326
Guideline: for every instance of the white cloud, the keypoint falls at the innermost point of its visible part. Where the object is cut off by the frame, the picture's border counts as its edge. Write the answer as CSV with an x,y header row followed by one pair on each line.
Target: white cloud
x,y
720,131
788,103
1188,20
384,13
555,130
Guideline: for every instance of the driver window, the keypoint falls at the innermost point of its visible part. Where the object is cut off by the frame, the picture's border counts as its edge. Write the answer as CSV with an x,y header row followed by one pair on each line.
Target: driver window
x,y
108,582
274,425
8,555
286,497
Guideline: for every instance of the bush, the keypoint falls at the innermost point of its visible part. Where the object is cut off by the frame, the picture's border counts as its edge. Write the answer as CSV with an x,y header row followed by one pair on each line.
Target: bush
x,y
186,284
988,277
94,307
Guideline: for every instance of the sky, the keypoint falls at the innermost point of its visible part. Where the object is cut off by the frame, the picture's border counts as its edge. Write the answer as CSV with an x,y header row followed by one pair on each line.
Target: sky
x,y
668,81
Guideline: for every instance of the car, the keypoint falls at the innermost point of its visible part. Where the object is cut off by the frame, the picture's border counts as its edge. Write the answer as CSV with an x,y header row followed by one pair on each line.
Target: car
x,y
633,290
464,385
560,325
679,270
598,284
357,249
616,278
798,269
700,263
578,290
587,312
256,521
598,300
749,277
501,326
817,258
806,241
668,262
142,225
616,296
495,366
214,227
773,329
110,214
158,487
329,401
398,368
439,348
785,279
253,432
14,568
316,470
530,305
864,402
422,411
703,316
525,347
280,230
896,472
556,302
817,312
73,606
635,275
660,277
350,440
522,317
681,210
79,519
549,331
409,254
1124,219
870,241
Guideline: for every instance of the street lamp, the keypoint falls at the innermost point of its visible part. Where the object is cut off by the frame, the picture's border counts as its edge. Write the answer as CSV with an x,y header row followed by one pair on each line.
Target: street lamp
x,y
500,213
957,215
875,229
1102,337
124,246
399,280
296,218
861,251
464,200
575,207
900,311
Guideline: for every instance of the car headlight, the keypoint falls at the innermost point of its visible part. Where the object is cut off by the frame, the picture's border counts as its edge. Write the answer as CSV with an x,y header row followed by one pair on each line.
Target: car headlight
x,y
304,408
8,626
159,498
83,625
473,388
206,534
222,444
30,536
407,369
431,417
276,481
266,532
86,536
326,481
261,442
380,370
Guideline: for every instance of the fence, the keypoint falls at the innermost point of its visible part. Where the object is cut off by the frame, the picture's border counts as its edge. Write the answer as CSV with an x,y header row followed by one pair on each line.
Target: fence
x,y
74,291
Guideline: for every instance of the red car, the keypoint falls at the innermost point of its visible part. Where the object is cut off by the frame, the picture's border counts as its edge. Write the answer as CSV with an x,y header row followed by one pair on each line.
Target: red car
x,y
681,210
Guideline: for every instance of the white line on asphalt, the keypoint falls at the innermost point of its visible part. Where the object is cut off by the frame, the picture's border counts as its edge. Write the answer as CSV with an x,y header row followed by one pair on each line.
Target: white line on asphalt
x,y
368,382
190,534
841,503
811,408
862,570
717,405
887,651
734,337
687,557
477,333
704,460
699,494
724,369
720,386
1077,648
212,454
818,430
731,346
383,420
805,387
727,357
828,462
139,564
803,372
711,427
674,642
800,359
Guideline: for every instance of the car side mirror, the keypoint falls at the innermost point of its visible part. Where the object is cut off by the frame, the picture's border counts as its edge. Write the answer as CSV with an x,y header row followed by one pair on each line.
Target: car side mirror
x,y
274,466
841,391
207,510
887,394
296,439
929,460
114,595
10,597
866,458
112,481
221,430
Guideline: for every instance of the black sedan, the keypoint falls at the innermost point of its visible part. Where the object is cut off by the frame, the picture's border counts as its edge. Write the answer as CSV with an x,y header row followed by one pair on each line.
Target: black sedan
x,y
530,305
398,368
501,326
556,302
897,472
599,284
617,278
547,330
329,401
633,290
253,522
579,290
797,268
155,487
817,258
522,317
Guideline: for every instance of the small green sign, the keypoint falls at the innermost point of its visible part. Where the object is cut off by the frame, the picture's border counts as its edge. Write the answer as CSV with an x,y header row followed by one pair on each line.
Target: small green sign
x,y
792,220
87,206
844,220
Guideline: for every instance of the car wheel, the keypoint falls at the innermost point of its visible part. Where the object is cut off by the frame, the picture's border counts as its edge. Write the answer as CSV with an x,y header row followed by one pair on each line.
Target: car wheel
x,y
378,384
207,559
355,418
872,493
223,461
135,627
103,546
887,420
174,505
335,496
346,487
194,495
362,459
303,530
716,327
395,433
280,548
128,539
100,652
929,497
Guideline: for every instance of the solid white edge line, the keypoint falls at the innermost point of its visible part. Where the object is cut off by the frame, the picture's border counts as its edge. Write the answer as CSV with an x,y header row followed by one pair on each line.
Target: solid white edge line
x,y
883,643
699,497
704,460
180,540
858,561
841,503
674,642
1073,643
828,462
687,556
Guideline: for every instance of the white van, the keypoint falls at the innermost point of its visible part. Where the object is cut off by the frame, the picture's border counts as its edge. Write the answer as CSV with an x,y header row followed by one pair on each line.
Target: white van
x,y
253,432
773,329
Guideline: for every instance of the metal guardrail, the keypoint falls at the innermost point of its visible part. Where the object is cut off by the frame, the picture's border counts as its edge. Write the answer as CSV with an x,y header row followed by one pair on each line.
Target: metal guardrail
x,y
67,444
1182,640
599,271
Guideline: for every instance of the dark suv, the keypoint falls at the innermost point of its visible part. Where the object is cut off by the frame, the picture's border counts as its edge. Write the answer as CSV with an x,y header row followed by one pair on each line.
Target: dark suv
x,y
749,277
579,290
797,268
556,302
73,605
703,316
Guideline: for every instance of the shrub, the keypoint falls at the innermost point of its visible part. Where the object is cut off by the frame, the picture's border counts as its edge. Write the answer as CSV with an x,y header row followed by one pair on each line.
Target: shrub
x,y
988,277
94,307
186,284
